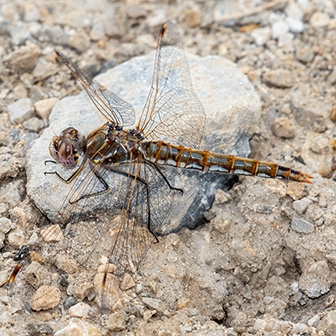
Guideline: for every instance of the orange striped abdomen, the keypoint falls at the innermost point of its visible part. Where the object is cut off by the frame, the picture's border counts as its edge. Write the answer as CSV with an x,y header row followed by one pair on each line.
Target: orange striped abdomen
x,y
164,153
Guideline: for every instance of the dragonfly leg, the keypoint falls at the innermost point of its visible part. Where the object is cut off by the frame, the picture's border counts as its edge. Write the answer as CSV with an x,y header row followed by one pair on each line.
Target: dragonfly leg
x,y
145,182
149,213
164,177
49,161
68,180
107,188
101,180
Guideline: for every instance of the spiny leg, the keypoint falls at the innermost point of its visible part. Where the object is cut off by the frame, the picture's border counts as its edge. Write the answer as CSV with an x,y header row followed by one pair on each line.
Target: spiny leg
x,y
97,193
145,182
164,177
68,180
149,213
74,175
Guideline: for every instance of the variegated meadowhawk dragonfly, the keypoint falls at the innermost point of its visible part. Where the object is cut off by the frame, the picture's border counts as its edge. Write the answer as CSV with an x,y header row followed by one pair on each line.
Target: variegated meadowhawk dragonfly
x,y
168,132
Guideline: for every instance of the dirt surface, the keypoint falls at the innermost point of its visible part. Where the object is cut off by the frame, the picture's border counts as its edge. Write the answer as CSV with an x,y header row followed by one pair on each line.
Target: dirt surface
x,y
265,263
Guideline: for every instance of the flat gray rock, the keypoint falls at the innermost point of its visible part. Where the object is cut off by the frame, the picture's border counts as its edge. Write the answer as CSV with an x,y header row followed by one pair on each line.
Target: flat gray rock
x,y
231,105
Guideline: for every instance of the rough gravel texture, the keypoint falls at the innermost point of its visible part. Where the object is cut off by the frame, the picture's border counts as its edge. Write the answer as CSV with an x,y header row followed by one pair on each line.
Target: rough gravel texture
x,y
265,263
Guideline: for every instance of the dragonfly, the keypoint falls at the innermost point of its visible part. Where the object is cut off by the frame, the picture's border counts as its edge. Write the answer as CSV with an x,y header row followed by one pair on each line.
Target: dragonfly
x,y
168,132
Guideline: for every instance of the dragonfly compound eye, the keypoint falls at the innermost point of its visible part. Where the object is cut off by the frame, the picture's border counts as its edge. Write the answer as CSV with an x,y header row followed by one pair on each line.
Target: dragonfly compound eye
x,y
63,151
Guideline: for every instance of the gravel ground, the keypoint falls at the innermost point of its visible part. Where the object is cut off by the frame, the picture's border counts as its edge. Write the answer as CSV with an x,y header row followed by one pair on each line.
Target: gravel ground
x,y
265,264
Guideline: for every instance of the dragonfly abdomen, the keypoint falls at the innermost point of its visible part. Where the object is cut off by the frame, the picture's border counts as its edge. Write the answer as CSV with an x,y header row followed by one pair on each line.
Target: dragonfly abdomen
x,y
164,153
179,156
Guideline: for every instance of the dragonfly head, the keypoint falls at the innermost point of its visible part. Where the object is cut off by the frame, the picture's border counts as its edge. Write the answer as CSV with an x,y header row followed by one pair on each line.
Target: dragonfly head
x,y
64,148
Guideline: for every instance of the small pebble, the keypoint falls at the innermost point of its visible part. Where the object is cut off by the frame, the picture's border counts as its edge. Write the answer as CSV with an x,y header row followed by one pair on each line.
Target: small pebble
x,y
314,212
156,304
304,54
192,17
296,190
6,225
19,35
302,226
34,256
294,10
308,118
77,18
44,69
79,327
39,329
283,127
45,297
20,91
138,288
66,263
10,166
182,303
222,197
317,153
82,290
37,93
80,41
261,35
280,78
97,32
135,11
69,302
279,29
44,107
36,274
146,40
110,268
295,26
57,35
111,292
33,124
17,238
115,28
20,111
157,18
127,282
260,325
315,279
31,13
12,193
80,310
319,20
300,206
116,322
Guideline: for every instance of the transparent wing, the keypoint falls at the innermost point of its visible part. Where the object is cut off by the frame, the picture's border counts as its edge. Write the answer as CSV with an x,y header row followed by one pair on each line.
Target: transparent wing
x,y
113,108
145,211
117,225
172,111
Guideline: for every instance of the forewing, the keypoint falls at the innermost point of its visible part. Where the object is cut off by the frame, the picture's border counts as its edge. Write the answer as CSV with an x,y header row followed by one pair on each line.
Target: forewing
x,y
113,108
172,111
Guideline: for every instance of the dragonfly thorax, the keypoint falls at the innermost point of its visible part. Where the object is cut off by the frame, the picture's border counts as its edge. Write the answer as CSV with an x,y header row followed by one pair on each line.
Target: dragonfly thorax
x,y
112,144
